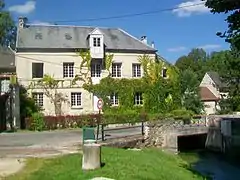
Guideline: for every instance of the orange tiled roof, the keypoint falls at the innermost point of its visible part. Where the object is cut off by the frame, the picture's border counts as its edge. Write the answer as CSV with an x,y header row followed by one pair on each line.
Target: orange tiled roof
x,y
207,95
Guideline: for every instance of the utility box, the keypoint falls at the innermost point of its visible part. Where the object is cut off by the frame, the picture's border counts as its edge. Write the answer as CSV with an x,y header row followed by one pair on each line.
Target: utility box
x,y
88,133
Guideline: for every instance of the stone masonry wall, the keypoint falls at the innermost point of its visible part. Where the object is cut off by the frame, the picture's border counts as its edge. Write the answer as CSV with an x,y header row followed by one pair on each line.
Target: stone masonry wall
x,y
155,131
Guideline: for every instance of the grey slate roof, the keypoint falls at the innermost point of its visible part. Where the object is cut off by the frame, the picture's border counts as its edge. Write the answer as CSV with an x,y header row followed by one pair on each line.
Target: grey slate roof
x,y
7,58
55,36
217,79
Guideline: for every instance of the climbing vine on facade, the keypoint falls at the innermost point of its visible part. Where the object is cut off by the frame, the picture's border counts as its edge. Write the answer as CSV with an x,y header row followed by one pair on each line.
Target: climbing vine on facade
x,y
84,73
158,94
108,62
51,86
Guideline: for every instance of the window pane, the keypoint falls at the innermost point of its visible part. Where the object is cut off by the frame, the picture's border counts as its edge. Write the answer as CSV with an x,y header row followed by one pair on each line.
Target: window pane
x,y
98,42
138,100
96,69
76,99
136,70
38,98
68,70
94,42
116,70
37,70
114,99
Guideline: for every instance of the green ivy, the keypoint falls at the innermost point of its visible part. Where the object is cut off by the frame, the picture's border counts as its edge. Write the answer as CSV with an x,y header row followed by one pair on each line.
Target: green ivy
x,y
159,95
154,94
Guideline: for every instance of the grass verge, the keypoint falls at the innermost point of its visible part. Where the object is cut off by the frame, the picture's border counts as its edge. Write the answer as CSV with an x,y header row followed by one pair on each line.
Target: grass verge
x,y
120,164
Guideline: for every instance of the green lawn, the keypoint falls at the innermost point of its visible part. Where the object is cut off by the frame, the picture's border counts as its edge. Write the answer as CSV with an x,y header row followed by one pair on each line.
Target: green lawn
x,y
120,164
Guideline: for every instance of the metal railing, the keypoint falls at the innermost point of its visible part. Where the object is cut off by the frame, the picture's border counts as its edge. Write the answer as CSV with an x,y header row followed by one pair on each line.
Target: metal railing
x,y
119,132
104,132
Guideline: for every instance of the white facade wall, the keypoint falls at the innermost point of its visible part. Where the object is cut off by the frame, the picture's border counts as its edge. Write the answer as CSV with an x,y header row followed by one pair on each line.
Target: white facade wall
x,y
53,65
210,107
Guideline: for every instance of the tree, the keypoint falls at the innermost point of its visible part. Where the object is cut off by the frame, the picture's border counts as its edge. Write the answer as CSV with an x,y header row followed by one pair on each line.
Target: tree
x,y
7,27
151,68
198,54
194,61
184,62
27,106
217,62
189,85
51,90
232,36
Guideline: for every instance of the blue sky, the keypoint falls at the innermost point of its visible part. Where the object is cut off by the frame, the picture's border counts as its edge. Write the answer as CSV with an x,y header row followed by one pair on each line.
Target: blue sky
x,y
175,33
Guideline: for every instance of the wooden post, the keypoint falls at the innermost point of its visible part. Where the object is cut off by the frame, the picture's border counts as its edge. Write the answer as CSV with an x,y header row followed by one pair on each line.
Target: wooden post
x,y
91,156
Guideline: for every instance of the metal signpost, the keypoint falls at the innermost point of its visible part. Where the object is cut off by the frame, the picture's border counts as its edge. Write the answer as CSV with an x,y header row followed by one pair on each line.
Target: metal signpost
x,y
99,106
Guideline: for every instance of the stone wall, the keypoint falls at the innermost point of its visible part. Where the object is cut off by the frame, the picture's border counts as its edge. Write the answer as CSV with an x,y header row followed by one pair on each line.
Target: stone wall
x,y
164,133
155,131
213,121
125,142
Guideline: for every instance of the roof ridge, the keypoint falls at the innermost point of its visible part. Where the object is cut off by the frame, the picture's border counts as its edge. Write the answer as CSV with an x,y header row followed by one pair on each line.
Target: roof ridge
x,y
62,25
125,32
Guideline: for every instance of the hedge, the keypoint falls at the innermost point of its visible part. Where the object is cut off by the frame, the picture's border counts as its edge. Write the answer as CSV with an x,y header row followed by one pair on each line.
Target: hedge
x,y
39,122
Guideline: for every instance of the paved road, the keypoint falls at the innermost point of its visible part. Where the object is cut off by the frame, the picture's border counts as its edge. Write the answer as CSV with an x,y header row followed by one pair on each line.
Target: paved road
x,y
36,142
37,139
54,138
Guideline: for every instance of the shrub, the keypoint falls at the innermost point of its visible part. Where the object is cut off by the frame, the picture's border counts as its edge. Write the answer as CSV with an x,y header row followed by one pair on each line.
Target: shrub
x,y
62,122
182,113
130,116
37,122
27,106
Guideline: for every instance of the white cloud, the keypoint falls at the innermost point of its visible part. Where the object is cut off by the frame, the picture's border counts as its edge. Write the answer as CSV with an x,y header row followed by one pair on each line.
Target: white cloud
x,y
177,49
210,46
190,7
41,23
26,8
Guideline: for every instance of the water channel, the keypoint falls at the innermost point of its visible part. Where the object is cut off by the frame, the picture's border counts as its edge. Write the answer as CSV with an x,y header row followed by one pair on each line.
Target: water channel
x,y
212,164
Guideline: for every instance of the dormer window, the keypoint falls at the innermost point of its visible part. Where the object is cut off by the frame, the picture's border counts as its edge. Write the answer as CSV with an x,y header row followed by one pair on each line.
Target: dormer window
x,y
96,42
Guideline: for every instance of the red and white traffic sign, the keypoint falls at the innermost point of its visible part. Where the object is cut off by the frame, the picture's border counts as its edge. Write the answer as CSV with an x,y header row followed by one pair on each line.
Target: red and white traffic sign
x,y
100,104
